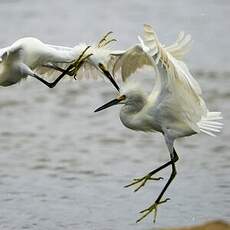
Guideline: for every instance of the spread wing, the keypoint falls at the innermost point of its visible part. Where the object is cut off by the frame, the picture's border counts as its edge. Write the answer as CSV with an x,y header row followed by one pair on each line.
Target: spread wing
x,y
176,78
131,60
139,55
181,46
176,69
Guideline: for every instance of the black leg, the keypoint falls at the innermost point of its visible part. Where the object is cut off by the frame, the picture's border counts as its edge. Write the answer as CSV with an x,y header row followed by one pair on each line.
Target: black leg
x,y
55,67
174,158
149,175
54,83
77,64
153,207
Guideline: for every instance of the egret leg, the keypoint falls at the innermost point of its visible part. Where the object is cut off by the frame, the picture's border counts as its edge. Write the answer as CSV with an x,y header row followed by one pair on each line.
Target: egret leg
x,y
54,83
142,181
77,65
79,62
55,67
158,201
70,70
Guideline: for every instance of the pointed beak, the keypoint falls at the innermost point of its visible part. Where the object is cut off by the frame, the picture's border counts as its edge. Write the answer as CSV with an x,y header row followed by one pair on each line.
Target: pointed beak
x,y
109,76
111,103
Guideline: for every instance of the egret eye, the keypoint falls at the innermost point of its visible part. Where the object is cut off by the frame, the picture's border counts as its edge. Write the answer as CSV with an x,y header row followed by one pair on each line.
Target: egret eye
x,y
121,98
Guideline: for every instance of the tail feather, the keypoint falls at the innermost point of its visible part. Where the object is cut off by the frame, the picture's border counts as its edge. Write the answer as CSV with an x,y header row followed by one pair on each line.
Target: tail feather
x,y
216,128
210,128
209,125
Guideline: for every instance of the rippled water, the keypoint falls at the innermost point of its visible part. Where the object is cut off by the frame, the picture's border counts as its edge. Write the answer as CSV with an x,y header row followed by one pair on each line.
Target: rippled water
x,y
64,167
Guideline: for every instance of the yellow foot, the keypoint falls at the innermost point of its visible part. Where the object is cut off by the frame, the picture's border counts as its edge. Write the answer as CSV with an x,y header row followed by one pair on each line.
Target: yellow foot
x,y
142,181
150,209
105,40
76,65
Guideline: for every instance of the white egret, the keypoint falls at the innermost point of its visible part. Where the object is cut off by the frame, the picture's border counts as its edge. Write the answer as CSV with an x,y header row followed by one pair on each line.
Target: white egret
x,y
174,108
31,57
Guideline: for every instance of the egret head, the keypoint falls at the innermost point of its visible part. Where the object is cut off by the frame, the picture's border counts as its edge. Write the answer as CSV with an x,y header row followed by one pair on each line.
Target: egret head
x,y
11,54
131,95
5,56
99,59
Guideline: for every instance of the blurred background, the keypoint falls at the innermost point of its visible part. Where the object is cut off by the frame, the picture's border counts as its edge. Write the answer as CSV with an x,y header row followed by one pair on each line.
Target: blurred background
x,y
62,166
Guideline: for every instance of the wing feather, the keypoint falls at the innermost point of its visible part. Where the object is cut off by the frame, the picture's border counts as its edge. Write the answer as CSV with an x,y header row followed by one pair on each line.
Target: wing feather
x,y
181,47
133,59
177,70
175,76
87,71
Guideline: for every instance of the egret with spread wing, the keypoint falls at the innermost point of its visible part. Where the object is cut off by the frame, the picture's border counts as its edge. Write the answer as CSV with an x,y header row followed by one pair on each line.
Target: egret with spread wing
x,y
174,108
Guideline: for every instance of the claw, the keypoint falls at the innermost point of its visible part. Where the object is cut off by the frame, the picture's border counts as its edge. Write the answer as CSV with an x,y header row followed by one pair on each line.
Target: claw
x,y
82,54
152,208
103,39
109,41
103,42
143,181
79,62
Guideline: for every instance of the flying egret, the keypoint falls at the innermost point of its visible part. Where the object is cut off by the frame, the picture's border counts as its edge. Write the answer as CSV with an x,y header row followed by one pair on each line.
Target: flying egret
x,y
174,108
20,60
31,57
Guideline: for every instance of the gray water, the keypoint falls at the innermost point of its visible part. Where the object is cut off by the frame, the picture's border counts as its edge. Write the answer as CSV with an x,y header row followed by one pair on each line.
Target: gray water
x,y
64,167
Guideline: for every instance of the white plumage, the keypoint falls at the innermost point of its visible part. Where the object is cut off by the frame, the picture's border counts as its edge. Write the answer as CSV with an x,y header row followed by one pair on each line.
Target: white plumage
x,y
174,107
31,57
181,84
27,54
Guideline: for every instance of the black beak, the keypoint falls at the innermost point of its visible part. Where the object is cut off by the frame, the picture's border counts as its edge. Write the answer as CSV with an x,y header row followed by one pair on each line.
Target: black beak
x,y
109,76
107,105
